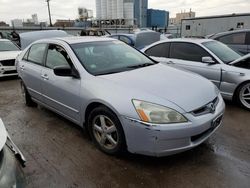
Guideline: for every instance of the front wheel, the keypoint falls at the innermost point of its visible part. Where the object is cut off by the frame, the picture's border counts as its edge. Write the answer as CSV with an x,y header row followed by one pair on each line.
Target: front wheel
x,y
243,95
106,131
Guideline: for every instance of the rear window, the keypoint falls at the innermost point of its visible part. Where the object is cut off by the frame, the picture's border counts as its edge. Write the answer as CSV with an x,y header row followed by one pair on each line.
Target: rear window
x,y
36,53
160,50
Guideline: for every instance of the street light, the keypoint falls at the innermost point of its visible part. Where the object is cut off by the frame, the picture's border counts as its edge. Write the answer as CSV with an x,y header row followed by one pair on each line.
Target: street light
x,y
50,22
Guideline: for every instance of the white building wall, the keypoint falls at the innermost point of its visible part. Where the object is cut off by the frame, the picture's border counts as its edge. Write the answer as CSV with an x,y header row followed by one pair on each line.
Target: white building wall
x,y
129,13
203,27
120,13
103,9
109,9
17,23
114,9
98,9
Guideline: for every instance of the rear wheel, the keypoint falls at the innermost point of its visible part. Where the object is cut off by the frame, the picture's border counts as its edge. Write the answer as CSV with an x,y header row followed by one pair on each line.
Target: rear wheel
x,y
243,95
26,96
106,131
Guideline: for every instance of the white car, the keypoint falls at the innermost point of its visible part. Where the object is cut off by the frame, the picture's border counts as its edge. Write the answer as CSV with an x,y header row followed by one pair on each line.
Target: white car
x,y
8,53
227,69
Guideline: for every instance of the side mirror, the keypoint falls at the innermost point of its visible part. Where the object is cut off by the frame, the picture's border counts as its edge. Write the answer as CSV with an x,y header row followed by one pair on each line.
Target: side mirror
x,y
208,60
66,71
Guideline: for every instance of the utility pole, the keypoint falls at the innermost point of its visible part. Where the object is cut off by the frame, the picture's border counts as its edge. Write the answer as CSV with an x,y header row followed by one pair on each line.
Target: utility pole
x,y
50,22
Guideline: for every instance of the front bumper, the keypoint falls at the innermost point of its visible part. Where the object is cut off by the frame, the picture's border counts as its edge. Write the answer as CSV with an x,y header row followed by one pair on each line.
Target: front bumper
x,y
164,140
11,174
8,71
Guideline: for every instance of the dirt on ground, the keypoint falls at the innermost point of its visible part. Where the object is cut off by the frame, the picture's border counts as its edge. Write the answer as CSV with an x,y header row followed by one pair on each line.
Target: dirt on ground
x,y
60,154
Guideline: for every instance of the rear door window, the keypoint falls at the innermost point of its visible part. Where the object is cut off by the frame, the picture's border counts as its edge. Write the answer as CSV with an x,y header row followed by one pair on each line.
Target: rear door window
x,y
36,53
187,51
160,50
235,38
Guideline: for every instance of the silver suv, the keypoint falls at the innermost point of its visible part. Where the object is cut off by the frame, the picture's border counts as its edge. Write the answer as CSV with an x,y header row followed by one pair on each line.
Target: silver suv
x,y
124,99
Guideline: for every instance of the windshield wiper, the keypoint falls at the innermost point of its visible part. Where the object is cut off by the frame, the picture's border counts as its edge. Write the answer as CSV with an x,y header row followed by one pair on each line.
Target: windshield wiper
x,y
141,65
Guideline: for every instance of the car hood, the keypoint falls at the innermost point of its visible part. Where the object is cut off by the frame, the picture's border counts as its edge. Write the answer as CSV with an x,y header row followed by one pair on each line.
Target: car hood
x,y
240,59
3,134
9,55
187,90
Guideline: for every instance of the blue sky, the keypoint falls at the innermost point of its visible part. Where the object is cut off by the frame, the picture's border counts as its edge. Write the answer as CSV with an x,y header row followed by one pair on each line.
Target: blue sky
x,y
65,9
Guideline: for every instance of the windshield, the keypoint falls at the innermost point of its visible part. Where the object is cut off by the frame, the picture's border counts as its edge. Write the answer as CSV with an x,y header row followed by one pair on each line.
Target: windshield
x,y
8,46
100,58
222,51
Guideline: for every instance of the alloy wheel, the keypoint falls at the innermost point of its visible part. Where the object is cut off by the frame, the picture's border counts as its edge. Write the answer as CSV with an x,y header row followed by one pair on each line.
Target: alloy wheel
x,y
245,95
105,132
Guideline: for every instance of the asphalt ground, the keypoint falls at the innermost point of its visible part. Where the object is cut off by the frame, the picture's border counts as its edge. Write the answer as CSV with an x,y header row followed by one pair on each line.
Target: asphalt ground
x,y
60,154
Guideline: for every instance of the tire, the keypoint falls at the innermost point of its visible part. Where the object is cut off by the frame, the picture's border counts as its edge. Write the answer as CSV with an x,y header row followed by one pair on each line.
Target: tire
x,y
243,95
106,131
26,96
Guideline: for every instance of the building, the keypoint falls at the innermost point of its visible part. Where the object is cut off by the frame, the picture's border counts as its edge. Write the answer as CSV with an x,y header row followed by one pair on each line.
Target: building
x,y
140,12
35,18
3,24
17,23
64,23
181,16
202,26
122,12
157,18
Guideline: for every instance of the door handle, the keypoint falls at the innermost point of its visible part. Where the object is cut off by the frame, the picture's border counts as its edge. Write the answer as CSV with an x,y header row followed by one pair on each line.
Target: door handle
x,y
45,77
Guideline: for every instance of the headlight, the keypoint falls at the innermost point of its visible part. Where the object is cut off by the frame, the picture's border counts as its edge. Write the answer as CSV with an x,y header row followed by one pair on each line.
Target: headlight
x,y
153,113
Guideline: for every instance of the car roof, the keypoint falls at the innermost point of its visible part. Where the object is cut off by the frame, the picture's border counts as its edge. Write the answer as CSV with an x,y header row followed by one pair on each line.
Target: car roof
x,y
82,39
229,32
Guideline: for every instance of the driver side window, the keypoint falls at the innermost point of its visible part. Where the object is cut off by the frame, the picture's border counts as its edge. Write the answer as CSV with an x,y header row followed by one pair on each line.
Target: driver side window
x,y
187,51
57,56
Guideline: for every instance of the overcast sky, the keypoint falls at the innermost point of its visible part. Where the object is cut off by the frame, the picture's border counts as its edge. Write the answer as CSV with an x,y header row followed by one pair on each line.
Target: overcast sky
x,y
67,9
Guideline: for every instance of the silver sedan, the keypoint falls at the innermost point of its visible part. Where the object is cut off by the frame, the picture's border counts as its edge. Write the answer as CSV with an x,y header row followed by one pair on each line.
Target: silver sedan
x,y
123,98
227,69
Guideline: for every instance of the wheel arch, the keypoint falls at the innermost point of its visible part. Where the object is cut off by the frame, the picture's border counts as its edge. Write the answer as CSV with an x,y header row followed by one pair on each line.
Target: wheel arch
x,y
94,104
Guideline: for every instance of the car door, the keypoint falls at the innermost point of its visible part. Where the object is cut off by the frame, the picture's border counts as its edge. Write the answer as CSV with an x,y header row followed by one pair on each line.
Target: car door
x,y
30,69
188,56
61,93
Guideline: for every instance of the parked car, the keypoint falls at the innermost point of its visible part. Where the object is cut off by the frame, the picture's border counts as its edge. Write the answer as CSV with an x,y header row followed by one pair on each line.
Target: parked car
x,y
28,37
139,39
11,162
238,40
94,32
8,53
123,98
211,59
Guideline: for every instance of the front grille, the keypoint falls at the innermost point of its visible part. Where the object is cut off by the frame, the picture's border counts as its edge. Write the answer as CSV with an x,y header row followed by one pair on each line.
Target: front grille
x,y
10,72
206,109
9,62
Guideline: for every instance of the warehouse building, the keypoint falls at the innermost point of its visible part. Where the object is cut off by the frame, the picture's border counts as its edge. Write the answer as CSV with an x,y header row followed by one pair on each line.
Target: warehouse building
x,y
203,26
